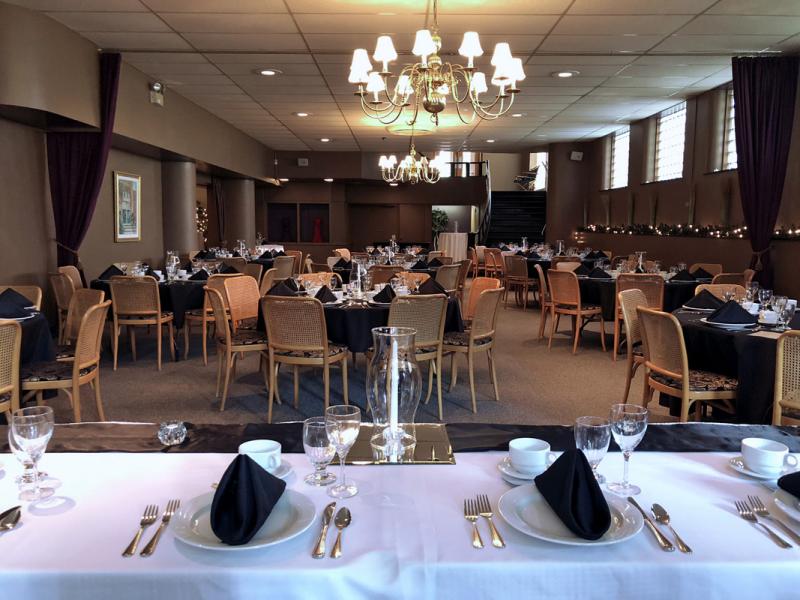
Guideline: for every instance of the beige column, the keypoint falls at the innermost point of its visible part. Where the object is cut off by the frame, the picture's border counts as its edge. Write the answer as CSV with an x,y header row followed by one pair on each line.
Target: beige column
x,y
240,211
179,185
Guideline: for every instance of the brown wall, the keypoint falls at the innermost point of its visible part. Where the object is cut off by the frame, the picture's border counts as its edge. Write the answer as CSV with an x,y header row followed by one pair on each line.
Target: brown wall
x,y
568,187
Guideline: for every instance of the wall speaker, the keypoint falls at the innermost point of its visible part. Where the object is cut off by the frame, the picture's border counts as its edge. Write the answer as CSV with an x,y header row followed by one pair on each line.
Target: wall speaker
x,y
576,156
302,162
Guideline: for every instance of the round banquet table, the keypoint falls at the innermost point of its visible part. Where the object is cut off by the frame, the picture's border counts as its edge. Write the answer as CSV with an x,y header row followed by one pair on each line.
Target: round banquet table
x,y
603,291
746,355
545,264
176,296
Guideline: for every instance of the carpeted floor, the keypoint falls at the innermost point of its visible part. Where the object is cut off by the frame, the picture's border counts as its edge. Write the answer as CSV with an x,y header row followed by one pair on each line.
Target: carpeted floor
x,y
537,385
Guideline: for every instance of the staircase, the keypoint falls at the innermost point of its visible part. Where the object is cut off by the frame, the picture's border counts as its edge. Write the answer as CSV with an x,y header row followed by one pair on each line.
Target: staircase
x,y
517,214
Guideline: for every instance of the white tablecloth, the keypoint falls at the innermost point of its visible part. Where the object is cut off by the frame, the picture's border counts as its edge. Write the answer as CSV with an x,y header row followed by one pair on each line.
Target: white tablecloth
x,y
408,538
454,244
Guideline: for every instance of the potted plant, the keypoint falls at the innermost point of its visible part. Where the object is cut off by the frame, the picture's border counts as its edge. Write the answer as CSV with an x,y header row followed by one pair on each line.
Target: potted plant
x,y
439,221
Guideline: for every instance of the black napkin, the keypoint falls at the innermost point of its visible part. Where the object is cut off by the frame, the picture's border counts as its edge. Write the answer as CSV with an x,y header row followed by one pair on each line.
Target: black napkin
x,y
375,252
733,314
112,271
434,263
228,270
598,273
149,271
386,295
12,305
503,248
289,283
431,286
701,273
279,253
325,295
343,264
574,495
244,499
533,255
790,483
267,255
582,270
683,275
281,289
420,265
236,254
704,299
201,275
187,266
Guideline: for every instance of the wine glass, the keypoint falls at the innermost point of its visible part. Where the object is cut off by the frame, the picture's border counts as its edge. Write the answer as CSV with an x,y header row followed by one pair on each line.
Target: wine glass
x,y
319,451
342,424
765,298
628,424
592,436
779,305
31,430
788,314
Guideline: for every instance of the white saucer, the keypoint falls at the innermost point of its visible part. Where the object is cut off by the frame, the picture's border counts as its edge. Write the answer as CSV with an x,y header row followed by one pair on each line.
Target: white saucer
x,y
513,480
737,464
283,471
505,467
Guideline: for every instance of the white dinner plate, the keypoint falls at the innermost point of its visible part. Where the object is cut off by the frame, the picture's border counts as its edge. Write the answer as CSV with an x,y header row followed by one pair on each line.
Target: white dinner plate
x,y
506,468
729,326
292,515
24,318
526,510
787,503
737,464
699,310
373,303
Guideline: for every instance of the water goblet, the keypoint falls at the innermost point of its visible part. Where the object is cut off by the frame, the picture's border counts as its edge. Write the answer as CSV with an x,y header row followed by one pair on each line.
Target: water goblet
x,y
592,436
342,423
787,315
765,298
319,451
778,305
628,425
31,430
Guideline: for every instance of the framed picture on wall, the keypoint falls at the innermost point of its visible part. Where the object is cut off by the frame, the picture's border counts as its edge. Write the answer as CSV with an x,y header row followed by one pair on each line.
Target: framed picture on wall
x,y
127,207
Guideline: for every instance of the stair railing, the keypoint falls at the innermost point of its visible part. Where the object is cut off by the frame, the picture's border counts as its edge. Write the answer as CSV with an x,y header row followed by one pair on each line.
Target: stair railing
x,y
486,217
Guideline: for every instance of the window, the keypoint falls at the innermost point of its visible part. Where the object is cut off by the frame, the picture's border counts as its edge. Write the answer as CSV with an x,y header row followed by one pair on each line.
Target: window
x,y
670,139
618,164
729,158
446,157
539,159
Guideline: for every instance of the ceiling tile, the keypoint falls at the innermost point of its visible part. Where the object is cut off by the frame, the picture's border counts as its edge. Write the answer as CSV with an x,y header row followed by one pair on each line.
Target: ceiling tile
x,y
258,59
371,25
178,69
725,24
639,7
138,41
756,7
730,44
136,58
218,6
358,6
83,5
246,42
619,25
497,24
599,43
107,21
230,23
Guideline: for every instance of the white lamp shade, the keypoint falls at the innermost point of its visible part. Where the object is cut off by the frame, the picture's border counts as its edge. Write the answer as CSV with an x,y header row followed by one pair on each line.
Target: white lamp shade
x,y
478,84
517,72
358,76
500,77
383,162
375,82
423,43
392,160
403,87
502,54
384,50
360,62
470,45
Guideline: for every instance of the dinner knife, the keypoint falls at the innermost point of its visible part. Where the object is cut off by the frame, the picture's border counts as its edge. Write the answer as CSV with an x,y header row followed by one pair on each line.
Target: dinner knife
x,y
327,515
665,544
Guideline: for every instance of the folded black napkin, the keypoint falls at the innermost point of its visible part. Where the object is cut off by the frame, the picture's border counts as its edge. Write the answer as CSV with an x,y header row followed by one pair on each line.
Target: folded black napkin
x,y
202,255
267,255
733,314
289,282
228,270
683,275
149,272
582,270
701,273
343,264
281,289
236,254
12,305
112,271
431,286
790,483
434,263
574,495
385,295
325,295
201,275
598,273
706,300
420,265
278,253
244,499
375,252
533,255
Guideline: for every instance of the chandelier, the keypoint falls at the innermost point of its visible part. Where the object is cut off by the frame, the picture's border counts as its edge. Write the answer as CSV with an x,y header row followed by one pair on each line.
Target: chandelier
x,y
430,82
411,169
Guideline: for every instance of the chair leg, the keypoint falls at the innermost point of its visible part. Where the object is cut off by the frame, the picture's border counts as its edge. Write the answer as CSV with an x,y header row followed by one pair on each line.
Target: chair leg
x,y
158,347
471,366
326,381
553,325
542,320
115,343
493,375
439,385
628,378
296,387
263,366
616,338
230,361
171,329
272,384
602,332
204,334
187,330
577,334
430,381
76,401
39,398
97,399
219,370
345,390
453,371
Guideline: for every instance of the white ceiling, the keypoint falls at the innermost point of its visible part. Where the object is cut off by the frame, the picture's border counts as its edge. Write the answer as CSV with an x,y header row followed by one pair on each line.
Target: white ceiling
x,y
635,57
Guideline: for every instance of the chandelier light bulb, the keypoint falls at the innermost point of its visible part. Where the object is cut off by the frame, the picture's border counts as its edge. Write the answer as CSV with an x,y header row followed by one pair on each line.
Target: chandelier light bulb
x,y
470,47
385,52
424,45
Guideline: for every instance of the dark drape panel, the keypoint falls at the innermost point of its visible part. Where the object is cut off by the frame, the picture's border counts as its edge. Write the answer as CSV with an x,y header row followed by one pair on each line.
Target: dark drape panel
x,y
76,162
764,91
219,201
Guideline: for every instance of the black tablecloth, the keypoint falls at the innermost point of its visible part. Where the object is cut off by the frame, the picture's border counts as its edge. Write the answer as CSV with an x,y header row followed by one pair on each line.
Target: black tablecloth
x,y
37,343
465,437
602,292
176,296
267,263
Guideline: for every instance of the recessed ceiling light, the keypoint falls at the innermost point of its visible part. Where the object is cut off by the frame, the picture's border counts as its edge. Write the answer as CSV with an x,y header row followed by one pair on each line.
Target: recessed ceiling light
x,y
324,139
490,141
302,114
518,115
393,184
283,179
269,72
564,74
329,179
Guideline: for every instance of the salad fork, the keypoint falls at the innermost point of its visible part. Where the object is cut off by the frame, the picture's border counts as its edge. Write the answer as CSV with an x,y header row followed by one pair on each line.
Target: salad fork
x,y
172,506
148,518
762,511
471,515
748,515
485,510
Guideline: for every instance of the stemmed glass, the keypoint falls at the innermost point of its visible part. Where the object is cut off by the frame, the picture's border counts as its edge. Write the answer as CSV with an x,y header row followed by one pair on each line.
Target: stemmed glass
x,y
319,451
788,315
592,436
628,424
342,424
764,298
779,305
31,430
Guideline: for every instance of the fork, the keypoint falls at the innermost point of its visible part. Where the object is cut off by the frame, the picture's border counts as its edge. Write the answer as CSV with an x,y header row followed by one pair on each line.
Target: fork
x,y
172,506
761,511
485,510
148,518
748,515
471,515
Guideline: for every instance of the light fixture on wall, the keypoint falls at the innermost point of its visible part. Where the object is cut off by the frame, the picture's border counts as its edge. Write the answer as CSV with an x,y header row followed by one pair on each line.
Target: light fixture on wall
x,y
157,93
431,82
411,169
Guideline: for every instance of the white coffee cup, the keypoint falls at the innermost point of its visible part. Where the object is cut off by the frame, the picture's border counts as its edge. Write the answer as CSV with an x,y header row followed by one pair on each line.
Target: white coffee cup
x,y
529,455
766,457
266,453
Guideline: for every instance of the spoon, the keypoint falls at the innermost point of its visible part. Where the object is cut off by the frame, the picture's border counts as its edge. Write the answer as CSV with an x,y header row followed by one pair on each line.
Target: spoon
x,y
341,521
662,516
10,518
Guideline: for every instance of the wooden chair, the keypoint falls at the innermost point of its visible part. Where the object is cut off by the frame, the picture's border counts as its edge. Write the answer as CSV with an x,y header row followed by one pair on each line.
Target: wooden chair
x,y
480,338
730,278
652,286
284,267
297,255
477,266
787,378
267,281
10,344
254,270
435,254
516,268
136,303
231,346
320,267
363,256
445,260
332,260
494,263
82,300
62,290
720,289
69,377
713,268
412,280
242,295
748,276
628,301
298,336
479,285
447,276
74,274
545,304
426,314
465,265
342,253
384,273
566,300
237,262
31,292
203,316
319,279
668,369
565,265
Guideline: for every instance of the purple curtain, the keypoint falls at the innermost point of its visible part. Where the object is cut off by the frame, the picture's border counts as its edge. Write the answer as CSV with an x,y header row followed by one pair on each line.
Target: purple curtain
x,y
764,91
76,162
